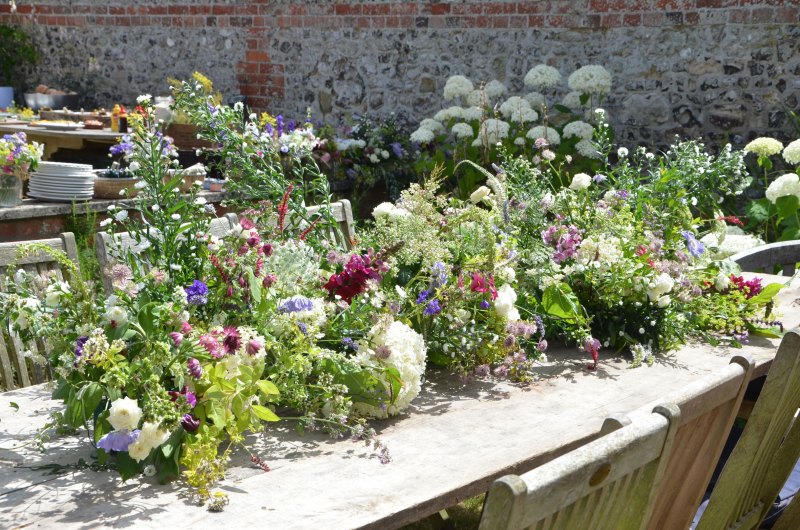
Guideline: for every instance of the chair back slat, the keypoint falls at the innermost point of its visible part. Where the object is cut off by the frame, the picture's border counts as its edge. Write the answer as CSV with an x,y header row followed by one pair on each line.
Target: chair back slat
x,y
708,409
766,452
607,483
16,368
783,256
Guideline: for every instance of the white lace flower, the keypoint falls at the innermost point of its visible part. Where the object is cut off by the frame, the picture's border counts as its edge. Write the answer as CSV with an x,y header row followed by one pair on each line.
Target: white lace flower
x,y
542,77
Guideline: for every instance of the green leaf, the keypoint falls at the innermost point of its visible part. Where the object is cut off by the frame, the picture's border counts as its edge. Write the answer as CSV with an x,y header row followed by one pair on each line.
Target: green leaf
x,y
268,388
74,415
766,294
217,413
91,395
172,443
759,210
559,301
14,406
127,466
264,413
790,232
787,206
562,108
255,287
62,390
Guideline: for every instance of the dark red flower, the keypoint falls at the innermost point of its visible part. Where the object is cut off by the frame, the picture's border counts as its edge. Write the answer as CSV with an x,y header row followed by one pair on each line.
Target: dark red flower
x,y
231,340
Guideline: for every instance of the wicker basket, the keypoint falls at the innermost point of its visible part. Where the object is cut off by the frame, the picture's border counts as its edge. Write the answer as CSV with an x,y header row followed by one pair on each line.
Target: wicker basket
x,y
184,136
105,188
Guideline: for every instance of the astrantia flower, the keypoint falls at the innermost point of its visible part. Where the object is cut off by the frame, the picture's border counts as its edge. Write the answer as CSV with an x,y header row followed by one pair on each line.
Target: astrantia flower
x,y
548,133
783,186
543,77
211,344
694,246
764,146
457,86
197,293
792,153
117,440
590,79
231,340
578,129
462,130
124,414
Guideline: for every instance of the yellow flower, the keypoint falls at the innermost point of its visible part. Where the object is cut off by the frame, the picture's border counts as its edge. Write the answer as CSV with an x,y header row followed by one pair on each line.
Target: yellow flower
x,y
205,82
267,118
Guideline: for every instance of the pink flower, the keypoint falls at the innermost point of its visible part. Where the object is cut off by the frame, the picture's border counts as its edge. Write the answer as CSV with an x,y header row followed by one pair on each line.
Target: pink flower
x,y
231,340
211,344
177,338
186,328
254,346
592,346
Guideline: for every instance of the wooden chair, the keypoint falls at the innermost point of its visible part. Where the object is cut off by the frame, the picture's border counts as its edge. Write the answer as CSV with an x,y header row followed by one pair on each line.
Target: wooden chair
x,y
767,451
16,370
784,255
605,484
708,409
343,214
106,245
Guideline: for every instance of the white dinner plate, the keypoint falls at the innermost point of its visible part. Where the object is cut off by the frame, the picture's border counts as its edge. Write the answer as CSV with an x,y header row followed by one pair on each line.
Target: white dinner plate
x,y
59,197
52,190
61,126
63,178
64,166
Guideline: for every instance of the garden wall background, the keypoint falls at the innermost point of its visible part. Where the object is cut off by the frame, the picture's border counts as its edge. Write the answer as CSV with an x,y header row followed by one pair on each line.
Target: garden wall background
x,y
709,67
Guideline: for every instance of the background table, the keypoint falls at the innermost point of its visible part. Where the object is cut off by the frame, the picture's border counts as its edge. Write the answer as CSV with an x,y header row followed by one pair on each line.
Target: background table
x,y
452,444
54,140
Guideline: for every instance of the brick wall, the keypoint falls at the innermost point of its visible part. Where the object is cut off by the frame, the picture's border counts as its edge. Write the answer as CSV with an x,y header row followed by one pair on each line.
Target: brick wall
x,y
710,67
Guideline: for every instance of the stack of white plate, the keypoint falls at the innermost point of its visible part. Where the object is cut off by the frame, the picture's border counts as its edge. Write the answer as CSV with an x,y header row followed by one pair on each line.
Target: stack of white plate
x,y
58,181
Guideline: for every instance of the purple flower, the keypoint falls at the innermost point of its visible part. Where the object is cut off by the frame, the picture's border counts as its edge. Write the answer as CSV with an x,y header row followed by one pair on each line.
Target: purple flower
x,y
599,178
296,304
423,295
485,304
125,147
118,440
438,274
253,346
350,343
696,248
383,352
303,328
79,345
190,423
177,338
197,293
482,370
433,308
194,367
501,371
397,149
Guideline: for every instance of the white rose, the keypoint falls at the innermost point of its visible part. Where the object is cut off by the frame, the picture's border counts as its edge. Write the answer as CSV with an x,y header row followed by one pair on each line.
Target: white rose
x,y
661,286
117,314
664,301
382,210
580,181
504,304
479,194
52,298
124,414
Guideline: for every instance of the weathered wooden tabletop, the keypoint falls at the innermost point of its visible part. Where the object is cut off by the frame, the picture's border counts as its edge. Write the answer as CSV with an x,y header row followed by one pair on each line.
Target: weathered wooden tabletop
x,y
452,444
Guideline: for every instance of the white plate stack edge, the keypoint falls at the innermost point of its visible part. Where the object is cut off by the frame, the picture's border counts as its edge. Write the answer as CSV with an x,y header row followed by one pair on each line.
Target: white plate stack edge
x,y
62,182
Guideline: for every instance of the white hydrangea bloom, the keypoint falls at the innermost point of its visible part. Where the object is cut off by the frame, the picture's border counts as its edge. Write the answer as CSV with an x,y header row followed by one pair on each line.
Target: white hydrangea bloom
x,y
492,131
457,86
471,114
542,77
586,148
463,130
494,89
590,79
513,103
519,140
535,99
792,153
548,133
431,125
124,414
572,100
476,98
407,353
578,129
764,146
422,136
785,185
389,211
524,115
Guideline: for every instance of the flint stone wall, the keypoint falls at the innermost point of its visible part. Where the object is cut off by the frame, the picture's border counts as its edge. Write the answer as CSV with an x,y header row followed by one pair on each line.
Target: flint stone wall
x,y
721,69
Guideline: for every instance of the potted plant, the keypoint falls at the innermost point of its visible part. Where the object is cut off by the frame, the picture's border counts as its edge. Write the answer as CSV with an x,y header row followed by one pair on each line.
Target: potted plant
x,y
18,157
16,49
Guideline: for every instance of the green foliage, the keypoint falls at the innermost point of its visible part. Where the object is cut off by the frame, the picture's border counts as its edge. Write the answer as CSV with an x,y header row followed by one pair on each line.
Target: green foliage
x,y
16,49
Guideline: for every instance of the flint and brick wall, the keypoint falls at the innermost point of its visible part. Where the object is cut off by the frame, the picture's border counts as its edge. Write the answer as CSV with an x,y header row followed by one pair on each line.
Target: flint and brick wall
x,y
717,68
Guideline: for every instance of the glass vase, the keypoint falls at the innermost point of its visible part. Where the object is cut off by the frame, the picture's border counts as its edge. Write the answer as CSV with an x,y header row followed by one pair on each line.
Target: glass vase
x,y
10,189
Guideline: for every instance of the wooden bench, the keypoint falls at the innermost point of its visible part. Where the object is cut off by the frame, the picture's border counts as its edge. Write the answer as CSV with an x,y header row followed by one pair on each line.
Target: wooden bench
x,y
16,370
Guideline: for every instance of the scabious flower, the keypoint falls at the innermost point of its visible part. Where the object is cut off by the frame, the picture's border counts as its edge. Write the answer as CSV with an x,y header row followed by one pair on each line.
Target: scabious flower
x,y
764,146
117,440
296,304
694,246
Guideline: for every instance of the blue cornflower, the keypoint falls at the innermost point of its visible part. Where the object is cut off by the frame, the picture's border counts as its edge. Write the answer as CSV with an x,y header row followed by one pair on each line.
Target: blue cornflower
x,y
79,345
695,247
423,295
197,293
485,305
350,343
433,308
296,304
